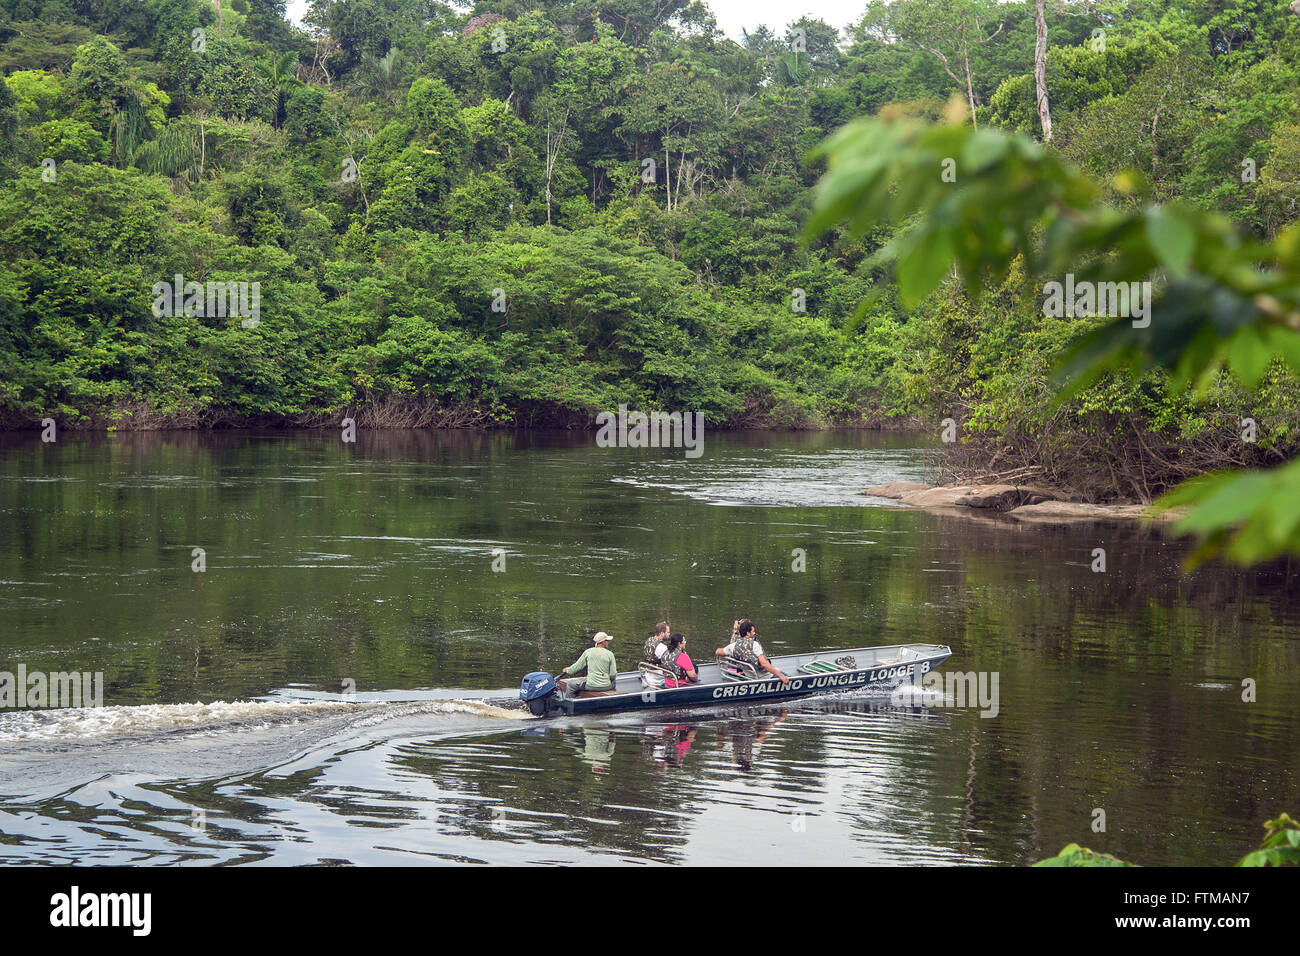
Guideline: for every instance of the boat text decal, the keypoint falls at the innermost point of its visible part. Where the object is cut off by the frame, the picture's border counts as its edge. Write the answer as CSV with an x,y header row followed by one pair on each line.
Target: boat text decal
x,y
821,681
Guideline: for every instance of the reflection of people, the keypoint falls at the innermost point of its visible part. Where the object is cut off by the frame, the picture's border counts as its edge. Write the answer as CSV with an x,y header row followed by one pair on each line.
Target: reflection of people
x,y
747,738
667,746
746,648
602,670
678,663
682,742
598,750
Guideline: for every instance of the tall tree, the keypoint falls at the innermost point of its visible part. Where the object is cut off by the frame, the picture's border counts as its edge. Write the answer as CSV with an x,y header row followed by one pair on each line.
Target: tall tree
x,y
948,30
686,114
1040,70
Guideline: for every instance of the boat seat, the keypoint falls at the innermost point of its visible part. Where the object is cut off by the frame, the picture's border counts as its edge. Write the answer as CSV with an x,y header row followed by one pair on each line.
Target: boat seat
x,y
572,687
823,666
733,669
820,667
652,675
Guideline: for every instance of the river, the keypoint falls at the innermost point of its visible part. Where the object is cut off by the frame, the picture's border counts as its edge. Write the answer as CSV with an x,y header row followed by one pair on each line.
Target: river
x,y
331,676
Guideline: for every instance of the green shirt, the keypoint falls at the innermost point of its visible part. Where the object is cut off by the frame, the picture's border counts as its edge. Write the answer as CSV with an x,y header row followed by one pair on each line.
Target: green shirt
x,y
601,669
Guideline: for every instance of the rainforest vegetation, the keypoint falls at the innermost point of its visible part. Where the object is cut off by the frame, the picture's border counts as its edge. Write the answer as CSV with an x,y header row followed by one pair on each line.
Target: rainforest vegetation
x,y
522,213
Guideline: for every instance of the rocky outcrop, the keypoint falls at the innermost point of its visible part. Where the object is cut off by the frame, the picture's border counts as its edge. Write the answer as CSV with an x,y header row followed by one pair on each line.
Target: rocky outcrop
x,y
1054,511
989,497
1022,502
895,489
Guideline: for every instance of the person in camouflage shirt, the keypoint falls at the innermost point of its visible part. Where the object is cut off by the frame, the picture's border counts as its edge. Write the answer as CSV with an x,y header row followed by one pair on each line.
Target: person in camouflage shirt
x,y
659,636
678,663
745,647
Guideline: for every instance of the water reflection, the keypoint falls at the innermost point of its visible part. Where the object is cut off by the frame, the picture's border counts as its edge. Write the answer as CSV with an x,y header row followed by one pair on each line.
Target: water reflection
x,y
668,746
373,564
746,735
598,749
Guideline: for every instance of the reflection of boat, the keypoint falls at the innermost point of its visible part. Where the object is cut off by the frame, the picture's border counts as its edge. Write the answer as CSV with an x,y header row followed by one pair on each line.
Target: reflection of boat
x,y
729,681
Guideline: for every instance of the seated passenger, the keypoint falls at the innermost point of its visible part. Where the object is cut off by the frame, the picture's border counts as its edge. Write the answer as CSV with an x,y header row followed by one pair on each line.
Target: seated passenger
x,y
679,664
655,646
598,661
746,648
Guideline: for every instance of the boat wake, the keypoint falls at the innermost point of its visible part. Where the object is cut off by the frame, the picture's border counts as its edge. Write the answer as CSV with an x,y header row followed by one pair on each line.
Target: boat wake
x,y
828,478
909,695
45,753
71,727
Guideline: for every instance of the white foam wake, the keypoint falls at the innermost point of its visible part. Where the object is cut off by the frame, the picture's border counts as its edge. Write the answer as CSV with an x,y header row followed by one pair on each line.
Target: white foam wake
x,y
909,695
75,724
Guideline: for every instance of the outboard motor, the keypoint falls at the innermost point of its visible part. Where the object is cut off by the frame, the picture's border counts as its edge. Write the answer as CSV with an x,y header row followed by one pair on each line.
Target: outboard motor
x,y
538,691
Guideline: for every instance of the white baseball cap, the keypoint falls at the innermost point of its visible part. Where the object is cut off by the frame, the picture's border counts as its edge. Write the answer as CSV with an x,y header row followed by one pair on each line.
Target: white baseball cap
x,y
601,637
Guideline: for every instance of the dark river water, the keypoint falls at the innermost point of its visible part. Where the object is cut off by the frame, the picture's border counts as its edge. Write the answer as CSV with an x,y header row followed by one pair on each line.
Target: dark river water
x,y
339,684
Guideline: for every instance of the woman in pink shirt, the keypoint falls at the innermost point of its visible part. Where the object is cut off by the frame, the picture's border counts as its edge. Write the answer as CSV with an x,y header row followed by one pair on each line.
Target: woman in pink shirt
x,y
681,663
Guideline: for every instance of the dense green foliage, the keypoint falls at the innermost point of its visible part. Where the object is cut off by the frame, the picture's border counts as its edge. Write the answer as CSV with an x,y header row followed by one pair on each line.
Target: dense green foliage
x,y
523,214
524,220
1222,301
1174,114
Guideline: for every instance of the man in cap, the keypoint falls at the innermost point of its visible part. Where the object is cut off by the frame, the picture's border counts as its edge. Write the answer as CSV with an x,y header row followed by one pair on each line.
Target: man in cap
x,y
598,660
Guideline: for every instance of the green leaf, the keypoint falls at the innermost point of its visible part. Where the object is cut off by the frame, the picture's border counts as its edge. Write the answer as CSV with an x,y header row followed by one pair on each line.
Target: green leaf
x,y
1075,855
1287,344
984,148
1232,500
1249,356
919,270
1172,239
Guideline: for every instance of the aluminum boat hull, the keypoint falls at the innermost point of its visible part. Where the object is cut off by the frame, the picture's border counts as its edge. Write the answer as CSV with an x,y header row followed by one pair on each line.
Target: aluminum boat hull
x,y
884,666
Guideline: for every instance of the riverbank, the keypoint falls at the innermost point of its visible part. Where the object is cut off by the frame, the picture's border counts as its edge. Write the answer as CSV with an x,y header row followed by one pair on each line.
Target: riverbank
x,y
390,414
1034,503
